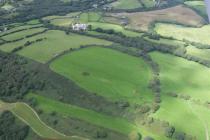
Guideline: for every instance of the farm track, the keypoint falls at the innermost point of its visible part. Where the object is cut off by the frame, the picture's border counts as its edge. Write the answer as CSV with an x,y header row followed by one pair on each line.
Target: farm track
x,y
15,107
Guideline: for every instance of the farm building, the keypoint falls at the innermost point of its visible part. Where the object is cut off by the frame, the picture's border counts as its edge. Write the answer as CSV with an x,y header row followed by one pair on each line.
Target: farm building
x,y
79,27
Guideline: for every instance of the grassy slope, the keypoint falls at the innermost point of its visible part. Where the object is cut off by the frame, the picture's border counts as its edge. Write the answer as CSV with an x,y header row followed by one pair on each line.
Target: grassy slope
x,y
92,18
21,34
166,41
126,4
201,53
116,124
8,47
68,110
117,28
179,114
66,22
57,42
114,75
18,26
26,114
183,77
200,35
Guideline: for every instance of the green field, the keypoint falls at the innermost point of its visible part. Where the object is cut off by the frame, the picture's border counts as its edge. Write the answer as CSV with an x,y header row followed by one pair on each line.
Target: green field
x,y
166,42
8,47
199,35
18,27
113,123
183,77
26,114
66,22
56,43
117,124
91,18
126,4
109,73
200,53
22,34
198,6
68,19
183,116
117,28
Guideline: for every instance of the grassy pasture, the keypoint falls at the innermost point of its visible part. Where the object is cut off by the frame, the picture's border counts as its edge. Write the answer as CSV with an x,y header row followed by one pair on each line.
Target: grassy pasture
x,y
22,34
49,105
182,116
116,124
18,27
185,78
66,22
56,43
68,19
26,114
117,28
179,14
166,41
199,35
125,4
91,18
201,53
114,75
8,47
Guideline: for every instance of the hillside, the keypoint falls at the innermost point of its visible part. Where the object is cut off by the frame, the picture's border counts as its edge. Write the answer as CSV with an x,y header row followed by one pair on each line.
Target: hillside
x,y
104,70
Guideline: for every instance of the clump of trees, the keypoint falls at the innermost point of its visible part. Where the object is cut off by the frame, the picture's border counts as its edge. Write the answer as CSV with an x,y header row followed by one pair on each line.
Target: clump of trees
x,y
169,131
10,129
15,80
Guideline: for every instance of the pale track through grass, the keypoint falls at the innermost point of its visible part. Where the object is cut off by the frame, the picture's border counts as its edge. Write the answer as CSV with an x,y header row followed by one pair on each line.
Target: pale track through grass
x,y
12,106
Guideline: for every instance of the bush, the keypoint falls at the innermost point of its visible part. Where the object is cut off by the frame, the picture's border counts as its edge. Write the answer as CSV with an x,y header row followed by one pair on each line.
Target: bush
x,y
169,131
148,138
135,136
101,134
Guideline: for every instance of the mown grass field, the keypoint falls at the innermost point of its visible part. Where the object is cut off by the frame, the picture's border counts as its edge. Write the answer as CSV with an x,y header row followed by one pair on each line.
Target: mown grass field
x,y
183,77
109,73
200,53
116,124
199,35
178,14
28,116
56,43
125,4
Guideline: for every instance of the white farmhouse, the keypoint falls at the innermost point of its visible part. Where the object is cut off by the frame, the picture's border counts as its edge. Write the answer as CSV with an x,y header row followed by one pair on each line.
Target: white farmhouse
x,y
79,27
